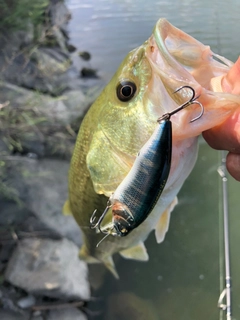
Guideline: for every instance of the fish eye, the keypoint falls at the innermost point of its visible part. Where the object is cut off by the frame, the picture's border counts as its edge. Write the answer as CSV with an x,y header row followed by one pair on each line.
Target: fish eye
x,y
126,90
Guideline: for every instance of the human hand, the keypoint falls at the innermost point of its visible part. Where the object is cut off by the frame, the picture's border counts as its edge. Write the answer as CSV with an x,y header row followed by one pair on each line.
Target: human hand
x,y
227,137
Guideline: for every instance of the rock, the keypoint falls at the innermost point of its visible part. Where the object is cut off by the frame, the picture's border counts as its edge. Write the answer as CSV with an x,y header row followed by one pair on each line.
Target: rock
x,y
38,317
9,315
89,73
4,150
47,191
41,186
20,70
126,305
18,223
49,268
8,300
62,110
66,314
60,39
26,302
77,104
12,42
24,63
60,15
42,123
51,61
71,48
84,55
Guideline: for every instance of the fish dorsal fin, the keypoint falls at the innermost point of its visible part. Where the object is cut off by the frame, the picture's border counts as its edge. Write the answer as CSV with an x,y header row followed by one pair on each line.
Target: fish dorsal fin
x,y
66,210
163,223
138,252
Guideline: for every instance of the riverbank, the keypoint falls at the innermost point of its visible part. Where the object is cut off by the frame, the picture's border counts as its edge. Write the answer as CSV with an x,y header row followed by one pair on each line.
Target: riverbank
x,y
43,99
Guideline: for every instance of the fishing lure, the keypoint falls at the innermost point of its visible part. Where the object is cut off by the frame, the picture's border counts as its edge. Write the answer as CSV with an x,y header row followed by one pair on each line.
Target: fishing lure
x,y
137,194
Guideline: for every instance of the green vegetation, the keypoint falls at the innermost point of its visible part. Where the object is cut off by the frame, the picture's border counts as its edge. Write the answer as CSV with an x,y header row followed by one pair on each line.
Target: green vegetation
x,y
6,190
28,125
17,122
17,14
14,122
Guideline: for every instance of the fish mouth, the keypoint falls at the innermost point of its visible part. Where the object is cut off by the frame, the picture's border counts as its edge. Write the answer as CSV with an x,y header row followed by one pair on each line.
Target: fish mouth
x,y
173,55
183,60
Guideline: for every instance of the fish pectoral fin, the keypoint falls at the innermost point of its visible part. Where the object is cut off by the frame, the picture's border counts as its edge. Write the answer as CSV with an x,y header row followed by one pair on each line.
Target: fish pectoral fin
x,y
138,252
84,255
66,210
107,261
163,223
109,264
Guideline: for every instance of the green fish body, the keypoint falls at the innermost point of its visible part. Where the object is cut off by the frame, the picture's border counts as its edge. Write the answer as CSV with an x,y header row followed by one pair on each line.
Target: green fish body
x,y
113,131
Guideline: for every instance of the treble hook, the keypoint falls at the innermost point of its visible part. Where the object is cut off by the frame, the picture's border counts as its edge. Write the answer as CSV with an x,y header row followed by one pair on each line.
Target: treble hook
x,y
192,100
107,234
98,223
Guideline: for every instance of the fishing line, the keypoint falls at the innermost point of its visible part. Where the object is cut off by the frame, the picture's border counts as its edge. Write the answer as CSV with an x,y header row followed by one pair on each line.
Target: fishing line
x,y
224,245
224,252
220,237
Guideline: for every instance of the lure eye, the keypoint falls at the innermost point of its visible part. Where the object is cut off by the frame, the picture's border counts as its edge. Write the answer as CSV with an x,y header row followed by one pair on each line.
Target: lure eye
x,y
121,230
126,90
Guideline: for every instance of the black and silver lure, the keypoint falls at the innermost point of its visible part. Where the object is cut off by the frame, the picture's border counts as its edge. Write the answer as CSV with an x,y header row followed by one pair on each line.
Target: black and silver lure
x,y
137,194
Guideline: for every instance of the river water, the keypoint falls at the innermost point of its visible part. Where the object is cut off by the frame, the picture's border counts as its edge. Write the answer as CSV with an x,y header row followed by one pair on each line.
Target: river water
x,y
182,279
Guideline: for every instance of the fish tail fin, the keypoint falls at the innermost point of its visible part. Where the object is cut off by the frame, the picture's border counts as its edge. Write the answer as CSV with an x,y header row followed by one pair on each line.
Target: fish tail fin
x,y
108,261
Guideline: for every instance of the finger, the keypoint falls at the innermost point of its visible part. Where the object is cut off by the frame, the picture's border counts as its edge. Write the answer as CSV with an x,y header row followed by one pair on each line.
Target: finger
x,y
225,136
233,165
231,82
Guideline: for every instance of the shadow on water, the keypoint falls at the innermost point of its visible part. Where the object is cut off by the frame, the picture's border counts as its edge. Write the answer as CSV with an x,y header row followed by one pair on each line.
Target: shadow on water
x,y
181,280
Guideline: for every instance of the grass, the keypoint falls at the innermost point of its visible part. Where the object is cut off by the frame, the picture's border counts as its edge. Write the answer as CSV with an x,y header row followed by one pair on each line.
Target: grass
x,y
27,124
6,190
21,124
17,14
14,122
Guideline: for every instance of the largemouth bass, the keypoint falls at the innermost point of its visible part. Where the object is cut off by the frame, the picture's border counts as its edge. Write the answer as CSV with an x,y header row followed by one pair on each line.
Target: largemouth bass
x,y
123,118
